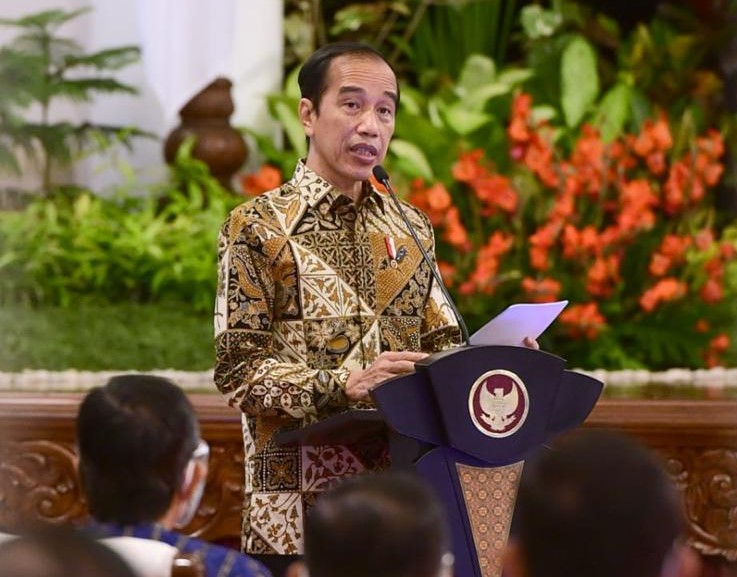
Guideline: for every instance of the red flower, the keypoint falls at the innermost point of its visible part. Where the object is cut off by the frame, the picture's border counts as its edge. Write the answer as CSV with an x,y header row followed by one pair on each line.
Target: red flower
x,y
266,178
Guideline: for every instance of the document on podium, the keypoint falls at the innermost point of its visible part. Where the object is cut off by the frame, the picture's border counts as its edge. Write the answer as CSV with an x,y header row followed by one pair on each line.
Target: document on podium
x,y
516,322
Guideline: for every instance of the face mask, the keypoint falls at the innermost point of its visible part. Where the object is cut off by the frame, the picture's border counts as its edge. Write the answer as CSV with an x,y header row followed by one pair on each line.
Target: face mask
x,y
187,511
201,454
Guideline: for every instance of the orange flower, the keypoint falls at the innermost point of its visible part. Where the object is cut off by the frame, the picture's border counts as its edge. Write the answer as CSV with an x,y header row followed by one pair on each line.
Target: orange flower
x,y
583,321
541,291
495,190
447,272
455,233
667,289
674,246
659,264
487,262
704,239
720,343
267,178
468,168
712,291
602,276
701,326
438,198
728,250
717,346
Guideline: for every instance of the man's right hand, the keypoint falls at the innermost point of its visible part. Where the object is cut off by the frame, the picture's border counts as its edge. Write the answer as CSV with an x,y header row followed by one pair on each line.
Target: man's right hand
x,y
387,365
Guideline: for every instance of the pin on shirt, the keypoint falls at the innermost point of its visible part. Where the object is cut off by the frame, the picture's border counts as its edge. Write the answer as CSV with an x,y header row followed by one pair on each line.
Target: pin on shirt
x,y
391,248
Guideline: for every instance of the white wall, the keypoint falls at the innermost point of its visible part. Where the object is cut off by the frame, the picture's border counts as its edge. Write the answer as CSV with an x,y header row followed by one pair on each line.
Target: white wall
x,y
256,71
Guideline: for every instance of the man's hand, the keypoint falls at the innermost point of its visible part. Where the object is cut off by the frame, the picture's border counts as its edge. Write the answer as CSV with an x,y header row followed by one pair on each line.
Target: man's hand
x,y
388,364
531,343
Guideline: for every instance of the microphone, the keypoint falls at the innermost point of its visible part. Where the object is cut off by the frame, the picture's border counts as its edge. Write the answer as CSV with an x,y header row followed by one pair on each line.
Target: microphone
x,y
383,177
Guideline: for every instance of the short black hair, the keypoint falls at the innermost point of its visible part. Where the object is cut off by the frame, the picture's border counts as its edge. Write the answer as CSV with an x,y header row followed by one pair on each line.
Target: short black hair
x,y
312,76
598,503
135,436
59,551
388,524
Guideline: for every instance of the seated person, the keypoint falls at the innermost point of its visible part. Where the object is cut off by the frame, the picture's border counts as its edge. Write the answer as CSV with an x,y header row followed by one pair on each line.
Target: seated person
x,y
378,524
143,467
598,505
55,551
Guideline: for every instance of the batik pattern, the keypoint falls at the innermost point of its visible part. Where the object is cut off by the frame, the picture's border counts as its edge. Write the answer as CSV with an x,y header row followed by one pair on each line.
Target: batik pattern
x,y
309,289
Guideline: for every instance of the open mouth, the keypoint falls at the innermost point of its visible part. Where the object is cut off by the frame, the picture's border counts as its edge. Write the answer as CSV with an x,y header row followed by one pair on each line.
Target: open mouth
x,y
365,151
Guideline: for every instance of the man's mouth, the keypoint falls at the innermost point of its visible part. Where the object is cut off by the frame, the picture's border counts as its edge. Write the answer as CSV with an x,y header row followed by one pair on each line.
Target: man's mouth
x,y
365,150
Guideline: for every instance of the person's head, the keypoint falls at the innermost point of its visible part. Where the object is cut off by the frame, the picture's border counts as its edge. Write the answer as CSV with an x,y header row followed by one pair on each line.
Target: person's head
x,y
597,504
141,458
349,100
388,524
59,552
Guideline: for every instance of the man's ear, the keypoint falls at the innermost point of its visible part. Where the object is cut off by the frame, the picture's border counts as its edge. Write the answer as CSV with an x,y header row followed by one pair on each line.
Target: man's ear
x,y
307,114
296,569
513,561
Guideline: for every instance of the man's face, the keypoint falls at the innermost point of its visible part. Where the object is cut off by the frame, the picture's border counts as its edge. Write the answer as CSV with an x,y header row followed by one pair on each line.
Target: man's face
x,y
351,133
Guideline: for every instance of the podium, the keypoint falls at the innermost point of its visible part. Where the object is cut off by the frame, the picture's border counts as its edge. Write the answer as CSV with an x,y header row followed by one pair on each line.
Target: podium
x,y
464,421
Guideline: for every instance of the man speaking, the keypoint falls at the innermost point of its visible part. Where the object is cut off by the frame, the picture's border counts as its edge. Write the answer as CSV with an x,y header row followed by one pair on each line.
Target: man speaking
x,y
322,294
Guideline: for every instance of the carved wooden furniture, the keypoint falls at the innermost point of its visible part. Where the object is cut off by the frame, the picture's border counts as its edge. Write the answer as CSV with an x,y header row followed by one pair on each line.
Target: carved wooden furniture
x,y
697,438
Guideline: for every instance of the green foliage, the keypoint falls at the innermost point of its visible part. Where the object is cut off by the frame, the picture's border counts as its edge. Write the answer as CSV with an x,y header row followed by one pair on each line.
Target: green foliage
x,y
283,107
40,67
160,247
448,33
426,40
432,128
562,144
94,336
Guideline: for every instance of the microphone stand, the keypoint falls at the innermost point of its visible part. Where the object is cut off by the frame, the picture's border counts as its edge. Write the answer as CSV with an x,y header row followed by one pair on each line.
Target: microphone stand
x,y
383,177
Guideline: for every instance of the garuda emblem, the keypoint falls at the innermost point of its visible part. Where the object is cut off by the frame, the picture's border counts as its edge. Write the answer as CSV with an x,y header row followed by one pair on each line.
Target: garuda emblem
x,y
498,403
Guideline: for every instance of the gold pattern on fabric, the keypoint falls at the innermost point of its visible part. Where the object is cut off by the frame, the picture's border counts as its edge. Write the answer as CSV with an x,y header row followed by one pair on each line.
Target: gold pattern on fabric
x,y
302,301
489,495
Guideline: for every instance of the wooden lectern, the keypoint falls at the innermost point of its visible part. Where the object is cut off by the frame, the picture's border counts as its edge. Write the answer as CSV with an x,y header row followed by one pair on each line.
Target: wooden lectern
x,y
464,421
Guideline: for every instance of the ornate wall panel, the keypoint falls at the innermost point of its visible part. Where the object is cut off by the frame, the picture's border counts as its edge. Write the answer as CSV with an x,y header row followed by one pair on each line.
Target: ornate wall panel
x,y
697,439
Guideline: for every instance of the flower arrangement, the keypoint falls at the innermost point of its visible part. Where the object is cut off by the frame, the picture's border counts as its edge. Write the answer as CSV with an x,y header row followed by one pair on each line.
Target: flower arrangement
x,y
622,229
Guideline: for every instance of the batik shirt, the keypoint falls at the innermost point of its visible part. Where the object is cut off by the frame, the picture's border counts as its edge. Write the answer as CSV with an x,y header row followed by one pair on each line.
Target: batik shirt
x,y
311,287
218,561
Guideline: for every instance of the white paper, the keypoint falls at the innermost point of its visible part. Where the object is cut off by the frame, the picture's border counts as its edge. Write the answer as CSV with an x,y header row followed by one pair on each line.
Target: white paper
x,y
516,322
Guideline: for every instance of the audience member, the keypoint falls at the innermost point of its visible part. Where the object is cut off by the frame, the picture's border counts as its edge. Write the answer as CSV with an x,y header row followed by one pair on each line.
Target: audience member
x,y
143,467
380,524
598,505
56,551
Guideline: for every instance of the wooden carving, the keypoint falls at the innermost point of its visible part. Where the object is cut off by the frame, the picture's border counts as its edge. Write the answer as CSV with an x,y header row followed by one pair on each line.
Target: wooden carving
x,y
38,480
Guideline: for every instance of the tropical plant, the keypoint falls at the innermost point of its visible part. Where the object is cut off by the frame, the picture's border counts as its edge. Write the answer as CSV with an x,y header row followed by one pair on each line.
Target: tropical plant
x,y
562,178
427,41
40,67
624,230
160,247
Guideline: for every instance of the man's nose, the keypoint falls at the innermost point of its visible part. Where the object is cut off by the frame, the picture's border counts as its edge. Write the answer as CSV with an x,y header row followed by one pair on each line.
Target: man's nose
x,y
368,123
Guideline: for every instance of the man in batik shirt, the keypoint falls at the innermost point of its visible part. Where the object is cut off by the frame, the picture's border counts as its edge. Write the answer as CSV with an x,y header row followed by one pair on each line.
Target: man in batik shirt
x,y
322,295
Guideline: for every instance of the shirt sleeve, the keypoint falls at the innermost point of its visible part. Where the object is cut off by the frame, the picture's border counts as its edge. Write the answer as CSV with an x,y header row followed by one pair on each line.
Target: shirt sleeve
x,y
247,370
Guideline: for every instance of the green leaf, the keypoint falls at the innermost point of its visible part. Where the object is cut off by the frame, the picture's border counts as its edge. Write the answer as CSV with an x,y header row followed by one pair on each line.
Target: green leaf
x,y
538,22
515,76
614,112
579,80
477,98
288,118
411,158
45,19
111,58
462,120
477,71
